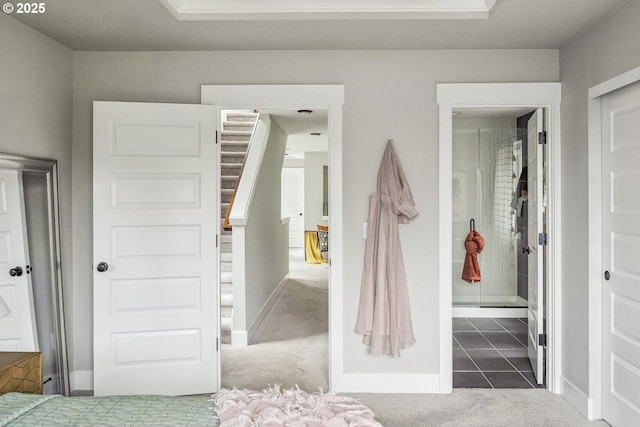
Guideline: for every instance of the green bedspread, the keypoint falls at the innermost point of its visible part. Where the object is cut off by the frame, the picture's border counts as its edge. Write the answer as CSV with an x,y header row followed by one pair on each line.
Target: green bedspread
x,y
26,410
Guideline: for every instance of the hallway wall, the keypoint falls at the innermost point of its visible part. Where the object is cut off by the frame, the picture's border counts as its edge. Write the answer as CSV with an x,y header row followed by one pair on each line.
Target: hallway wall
x,y
607,50
388,94
36,100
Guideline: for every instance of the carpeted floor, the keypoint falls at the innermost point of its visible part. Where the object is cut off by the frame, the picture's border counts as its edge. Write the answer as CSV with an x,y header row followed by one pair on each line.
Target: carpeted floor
x,y
475,408
292,349
291,344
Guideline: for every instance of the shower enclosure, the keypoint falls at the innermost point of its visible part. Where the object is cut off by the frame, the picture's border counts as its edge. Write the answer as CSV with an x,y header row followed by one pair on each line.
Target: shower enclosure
x,y
489,191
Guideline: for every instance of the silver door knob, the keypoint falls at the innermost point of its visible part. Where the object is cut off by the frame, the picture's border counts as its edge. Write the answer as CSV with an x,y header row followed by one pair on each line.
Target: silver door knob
x,y
102,267
15,272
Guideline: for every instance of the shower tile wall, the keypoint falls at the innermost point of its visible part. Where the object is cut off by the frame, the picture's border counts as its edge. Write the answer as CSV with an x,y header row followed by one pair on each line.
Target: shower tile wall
x,y
483,183
503,192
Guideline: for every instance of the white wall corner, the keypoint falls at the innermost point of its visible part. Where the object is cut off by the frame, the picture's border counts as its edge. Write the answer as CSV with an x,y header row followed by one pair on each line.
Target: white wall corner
x,y
239,338
576,398
81,380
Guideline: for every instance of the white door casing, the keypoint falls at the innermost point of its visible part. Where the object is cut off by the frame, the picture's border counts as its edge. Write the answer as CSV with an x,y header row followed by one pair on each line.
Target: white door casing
x,y
331,97
486,95
155,197
535,213
18,329
621,256
293,204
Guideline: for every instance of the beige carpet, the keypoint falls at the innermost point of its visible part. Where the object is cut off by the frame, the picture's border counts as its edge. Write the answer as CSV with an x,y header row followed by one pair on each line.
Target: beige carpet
x,y
291,344
292,349
475,408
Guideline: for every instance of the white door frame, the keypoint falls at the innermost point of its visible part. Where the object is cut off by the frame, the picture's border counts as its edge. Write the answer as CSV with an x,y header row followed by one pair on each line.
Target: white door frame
x,y
594,403
291,97
535,95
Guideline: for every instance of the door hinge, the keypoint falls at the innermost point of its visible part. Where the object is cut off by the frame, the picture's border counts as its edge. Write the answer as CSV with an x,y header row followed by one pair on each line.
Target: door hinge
x,y
542,137
542,340
217,344
542,239
216,240
216,137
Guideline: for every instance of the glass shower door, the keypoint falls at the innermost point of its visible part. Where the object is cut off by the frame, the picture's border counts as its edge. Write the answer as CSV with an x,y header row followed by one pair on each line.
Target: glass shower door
x,y
487,168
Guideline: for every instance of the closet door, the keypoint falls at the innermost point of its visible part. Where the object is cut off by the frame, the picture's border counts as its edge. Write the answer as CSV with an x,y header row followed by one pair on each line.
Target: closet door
x,y
621,255
18,328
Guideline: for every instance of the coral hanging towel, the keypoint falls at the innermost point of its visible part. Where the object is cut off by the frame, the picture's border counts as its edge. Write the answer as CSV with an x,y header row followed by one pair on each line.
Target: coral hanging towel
x,y
473,244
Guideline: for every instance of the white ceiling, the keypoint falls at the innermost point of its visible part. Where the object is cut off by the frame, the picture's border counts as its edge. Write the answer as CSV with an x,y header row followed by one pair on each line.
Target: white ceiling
x,y
298,127
147,25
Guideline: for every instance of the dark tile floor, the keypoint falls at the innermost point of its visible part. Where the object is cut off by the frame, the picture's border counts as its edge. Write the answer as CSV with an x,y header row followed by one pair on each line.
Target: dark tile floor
x,y
491,353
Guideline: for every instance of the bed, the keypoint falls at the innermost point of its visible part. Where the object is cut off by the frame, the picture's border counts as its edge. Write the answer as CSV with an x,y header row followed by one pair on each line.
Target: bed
x,y
29,410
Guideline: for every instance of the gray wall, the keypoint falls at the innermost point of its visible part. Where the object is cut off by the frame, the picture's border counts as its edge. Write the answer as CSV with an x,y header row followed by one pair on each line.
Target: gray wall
x,y
267,240
36,82
607,50
388,94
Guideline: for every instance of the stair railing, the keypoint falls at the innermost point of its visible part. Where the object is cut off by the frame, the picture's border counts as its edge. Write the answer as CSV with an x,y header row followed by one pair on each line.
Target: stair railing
x,y
226,225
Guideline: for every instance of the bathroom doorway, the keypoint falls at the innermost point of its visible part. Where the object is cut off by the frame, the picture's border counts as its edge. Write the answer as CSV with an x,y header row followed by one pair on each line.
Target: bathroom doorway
x,y
499,156
493,302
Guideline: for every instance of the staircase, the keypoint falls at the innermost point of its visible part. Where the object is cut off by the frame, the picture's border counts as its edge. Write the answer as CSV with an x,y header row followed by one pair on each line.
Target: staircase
x,y
234,141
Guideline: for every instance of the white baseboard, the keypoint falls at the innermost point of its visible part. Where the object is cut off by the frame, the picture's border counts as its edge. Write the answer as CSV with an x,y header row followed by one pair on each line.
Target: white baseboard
x,y
488,312
81,380
576,398
390,383
266,308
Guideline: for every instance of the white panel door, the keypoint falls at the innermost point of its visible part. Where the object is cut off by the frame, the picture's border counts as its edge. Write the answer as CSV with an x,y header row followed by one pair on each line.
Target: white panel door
x,y
293,204
621,257
535,212
18,329
155,230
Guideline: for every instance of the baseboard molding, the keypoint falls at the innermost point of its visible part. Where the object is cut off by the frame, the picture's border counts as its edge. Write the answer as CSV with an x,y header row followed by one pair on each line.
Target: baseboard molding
x,y
489,312
266,308
390,383
576,398
81,380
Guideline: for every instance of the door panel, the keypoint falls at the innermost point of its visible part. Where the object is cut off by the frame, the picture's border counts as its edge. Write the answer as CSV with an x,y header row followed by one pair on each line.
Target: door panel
x,y
155,306
535,206
293,204
621,252
18,329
